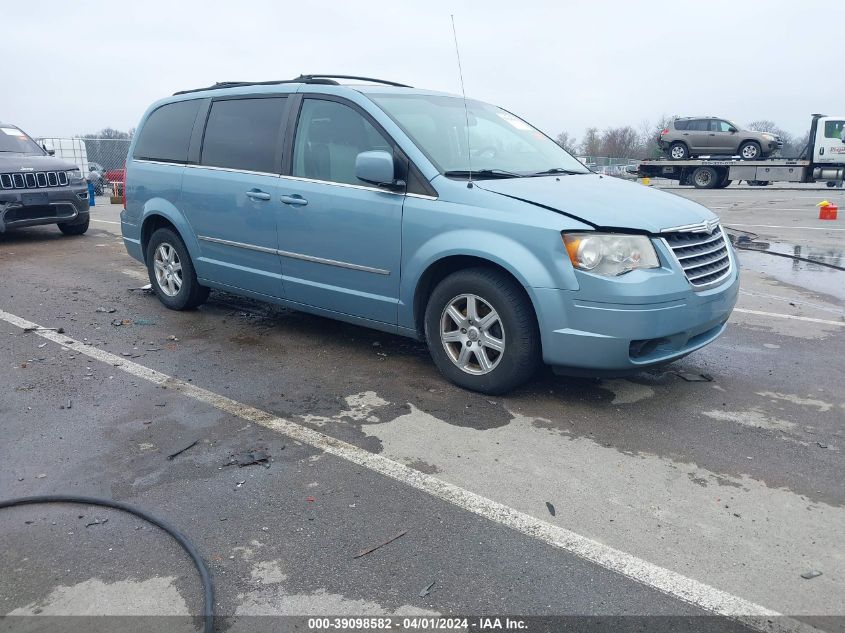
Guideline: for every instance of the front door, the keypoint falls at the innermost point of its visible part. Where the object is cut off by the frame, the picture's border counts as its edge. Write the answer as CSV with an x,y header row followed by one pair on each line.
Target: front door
x,y
722,140
339,237
231,197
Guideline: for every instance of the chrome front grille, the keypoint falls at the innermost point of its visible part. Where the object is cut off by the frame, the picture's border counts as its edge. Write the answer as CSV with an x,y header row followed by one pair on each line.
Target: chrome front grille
x,y
703,256
33,180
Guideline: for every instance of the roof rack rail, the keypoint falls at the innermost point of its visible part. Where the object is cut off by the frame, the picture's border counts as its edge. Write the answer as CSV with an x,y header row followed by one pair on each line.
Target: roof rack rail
x,y
305,79
326,78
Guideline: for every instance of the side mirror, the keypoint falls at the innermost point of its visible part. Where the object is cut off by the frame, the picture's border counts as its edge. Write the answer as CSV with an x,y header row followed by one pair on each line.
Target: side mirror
x,y
377,168
732,130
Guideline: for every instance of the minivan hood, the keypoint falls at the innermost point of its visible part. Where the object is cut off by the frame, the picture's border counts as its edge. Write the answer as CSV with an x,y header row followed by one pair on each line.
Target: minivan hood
x,y
602,201
26,162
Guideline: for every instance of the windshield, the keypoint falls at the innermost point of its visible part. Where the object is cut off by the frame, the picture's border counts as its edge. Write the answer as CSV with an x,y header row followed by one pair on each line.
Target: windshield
x,y
13,140
500,143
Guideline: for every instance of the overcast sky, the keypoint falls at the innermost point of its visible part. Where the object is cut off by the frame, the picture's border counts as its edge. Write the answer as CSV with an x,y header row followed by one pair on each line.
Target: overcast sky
x,y
74,67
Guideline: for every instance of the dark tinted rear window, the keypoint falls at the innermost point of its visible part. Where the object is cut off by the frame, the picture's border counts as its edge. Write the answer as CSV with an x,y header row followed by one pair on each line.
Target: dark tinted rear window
x,y
167,132
244,134
699,125
681,125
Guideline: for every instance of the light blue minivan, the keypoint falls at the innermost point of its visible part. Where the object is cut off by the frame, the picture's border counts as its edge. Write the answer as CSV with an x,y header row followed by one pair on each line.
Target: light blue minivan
x,y
423,214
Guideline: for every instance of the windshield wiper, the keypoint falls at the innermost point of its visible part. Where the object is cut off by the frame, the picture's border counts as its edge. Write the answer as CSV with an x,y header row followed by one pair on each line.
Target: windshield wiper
x,y
558,170
481,174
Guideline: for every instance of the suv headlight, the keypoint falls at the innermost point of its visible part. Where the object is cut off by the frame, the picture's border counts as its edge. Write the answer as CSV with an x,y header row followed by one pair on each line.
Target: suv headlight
x,y
610,254
769,137
74,176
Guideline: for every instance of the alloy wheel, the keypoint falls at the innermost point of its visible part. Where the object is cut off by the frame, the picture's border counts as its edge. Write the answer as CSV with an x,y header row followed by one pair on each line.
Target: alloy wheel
x,y
168,269
472,334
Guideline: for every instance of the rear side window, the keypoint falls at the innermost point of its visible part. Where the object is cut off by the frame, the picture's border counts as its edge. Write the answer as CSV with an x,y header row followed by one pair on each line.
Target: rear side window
x,y
244,134
681,125
166,134
698,125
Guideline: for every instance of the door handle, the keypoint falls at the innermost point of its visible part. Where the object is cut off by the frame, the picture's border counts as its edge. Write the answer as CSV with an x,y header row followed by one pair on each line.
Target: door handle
x,y
295,200
257,194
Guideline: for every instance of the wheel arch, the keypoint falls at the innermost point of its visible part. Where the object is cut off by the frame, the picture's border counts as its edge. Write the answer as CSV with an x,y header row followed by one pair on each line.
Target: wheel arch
x,y
158,217
445,266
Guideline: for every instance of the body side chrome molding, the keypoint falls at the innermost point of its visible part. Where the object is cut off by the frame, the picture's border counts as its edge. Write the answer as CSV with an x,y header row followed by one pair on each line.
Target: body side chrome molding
x,y
307,258
334,262
252,247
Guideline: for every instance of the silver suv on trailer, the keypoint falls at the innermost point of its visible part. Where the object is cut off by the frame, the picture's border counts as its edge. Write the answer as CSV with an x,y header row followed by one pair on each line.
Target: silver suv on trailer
x,y
696,136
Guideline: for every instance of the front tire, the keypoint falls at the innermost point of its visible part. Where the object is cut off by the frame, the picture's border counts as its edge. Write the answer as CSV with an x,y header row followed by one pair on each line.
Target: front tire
x,y
750,150
482,331
172,273
75,229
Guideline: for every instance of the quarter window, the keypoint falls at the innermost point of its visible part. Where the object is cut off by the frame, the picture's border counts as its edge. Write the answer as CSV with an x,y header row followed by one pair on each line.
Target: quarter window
x,y
166,134
244,134
681,125
329,137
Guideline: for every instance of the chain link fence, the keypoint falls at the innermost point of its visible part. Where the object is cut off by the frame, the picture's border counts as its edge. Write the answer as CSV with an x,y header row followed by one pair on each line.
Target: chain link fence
x,y
610,166
104,158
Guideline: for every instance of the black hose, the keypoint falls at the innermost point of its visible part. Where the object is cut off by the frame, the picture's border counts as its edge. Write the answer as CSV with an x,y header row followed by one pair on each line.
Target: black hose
x,y
205,576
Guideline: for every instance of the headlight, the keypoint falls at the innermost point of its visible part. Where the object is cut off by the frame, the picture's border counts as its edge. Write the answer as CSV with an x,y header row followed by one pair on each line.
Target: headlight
x,y
610,254
769,137
74,176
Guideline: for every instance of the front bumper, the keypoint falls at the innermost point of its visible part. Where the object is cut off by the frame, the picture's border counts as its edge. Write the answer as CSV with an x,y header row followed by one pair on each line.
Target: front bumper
x,y
606,338
20,208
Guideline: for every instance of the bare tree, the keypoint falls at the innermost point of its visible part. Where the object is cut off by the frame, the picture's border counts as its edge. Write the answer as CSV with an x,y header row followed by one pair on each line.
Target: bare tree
x,y
650,132
111,133
620,142
792,145
567,142
591,145
764,125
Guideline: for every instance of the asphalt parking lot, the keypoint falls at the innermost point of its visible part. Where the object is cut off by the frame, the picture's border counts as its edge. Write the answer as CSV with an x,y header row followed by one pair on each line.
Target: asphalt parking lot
x,y
706,487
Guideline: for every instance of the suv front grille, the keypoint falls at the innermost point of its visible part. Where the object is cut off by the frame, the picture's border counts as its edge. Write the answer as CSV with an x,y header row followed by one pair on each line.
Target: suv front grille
x,y
33,180
704,257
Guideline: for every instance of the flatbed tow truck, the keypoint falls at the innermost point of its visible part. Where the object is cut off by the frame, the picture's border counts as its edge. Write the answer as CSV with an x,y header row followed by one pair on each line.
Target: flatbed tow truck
x,y
823,160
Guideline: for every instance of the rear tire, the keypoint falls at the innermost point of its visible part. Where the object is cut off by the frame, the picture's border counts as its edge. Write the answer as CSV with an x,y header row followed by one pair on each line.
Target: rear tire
x,y
750,150
172,273
705,178
678,151
500,325
75,229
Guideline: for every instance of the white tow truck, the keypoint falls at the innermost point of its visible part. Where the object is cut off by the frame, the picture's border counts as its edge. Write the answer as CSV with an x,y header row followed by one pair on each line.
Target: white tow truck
x,y
823,160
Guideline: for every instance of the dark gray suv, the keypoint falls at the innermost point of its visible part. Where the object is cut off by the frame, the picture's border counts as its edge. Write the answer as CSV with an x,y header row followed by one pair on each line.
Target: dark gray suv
x,y
37,188
696,136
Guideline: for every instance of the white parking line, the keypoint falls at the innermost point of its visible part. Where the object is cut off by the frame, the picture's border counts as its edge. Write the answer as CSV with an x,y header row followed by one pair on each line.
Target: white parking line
x,y
777,226
669,582
104,221
789,316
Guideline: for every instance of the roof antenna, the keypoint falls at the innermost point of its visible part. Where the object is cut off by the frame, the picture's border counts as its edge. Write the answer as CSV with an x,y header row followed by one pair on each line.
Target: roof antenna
x,y
463,92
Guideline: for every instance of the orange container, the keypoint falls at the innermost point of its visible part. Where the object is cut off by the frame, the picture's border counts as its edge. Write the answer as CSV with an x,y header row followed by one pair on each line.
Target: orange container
x,y
828,212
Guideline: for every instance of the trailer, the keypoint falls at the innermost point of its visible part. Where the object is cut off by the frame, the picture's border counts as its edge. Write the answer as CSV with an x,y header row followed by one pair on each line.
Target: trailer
x,y
823,160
